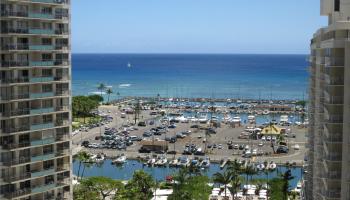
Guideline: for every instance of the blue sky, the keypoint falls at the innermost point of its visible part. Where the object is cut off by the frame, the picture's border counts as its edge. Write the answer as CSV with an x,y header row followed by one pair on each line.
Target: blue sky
x,y
194,26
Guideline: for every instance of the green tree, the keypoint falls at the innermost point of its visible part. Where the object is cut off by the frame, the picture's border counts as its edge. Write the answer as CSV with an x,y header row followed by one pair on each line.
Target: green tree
x,y
109,91
249,170
188,187
81,156
103,186
101,87
137,110
82,106
140,186
96,98
286,177
224,179
235,184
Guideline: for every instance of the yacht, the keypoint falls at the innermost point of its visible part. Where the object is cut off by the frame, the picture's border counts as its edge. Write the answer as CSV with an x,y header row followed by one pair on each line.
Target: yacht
x,y
173,163
183,162
266,112
205,163
99,158
251,118
272,166
119,160
260,166
236,119
162,161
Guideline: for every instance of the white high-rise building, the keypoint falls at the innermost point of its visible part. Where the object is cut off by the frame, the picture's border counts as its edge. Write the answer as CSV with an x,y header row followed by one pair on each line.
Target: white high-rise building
x,y
35,100
328,176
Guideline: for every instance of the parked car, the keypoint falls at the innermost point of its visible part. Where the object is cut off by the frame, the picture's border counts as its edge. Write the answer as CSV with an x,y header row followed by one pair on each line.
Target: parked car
x,y
144,150
282,149
141,124
147,134
85,143
171,152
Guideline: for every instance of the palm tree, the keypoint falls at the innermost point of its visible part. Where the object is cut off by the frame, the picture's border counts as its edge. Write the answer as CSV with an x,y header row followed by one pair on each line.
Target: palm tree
x,y
222,178
236,184
101,87
109,91
82,156
249,170
234,167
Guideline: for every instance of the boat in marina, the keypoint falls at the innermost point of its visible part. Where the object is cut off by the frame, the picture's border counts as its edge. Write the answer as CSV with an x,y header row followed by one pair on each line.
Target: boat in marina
x,y
205,163
98,158
183,162
251,118
236,119
119,160
203,119
162,161
151,161
260,166
272,166
266,112
173,163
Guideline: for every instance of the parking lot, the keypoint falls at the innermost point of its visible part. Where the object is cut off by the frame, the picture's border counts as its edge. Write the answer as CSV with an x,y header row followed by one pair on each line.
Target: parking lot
x,y
226,142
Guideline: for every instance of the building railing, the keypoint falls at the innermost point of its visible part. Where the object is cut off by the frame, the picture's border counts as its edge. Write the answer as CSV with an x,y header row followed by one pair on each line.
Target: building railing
x,y
39,63
334,61
15,80
33,47
34,31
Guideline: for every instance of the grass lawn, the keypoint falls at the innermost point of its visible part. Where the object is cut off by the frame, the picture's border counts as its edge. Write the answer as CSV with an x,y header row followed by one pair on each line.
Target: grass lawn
x,y
78,121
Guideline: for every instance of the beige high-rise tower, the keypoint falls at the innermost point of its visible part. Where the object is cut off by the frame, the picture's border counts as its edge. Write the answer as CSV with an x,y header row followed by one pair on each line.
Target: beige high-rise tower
x,y
35,100
328,174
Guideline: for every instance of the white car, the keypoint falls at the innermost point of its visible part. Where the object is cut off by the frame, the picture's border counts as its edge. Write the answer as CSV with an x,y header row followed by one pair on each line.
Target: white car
x,y
255,152
246,147
273,138
236,146
219,146
268,138
261,144
296,147
263,138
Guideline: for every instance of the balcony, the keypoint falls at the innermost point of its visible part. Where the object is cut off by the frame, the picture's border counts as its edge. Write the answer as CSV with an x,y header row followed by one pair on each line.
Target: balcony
x,y
51,1
42,141
43,172
41,15
41,47
40,126
43,188
14,80
10,63
41,63
334,61
13,178
41,79
11,145
41,110
15,112
42,157
334,119
10,129
41,95
334,81
39,31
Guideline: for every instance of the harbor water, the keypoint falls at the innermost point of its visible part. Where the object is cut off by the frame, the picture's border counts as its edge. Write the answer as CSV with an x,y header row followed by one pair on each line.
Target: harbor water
x,y
125,171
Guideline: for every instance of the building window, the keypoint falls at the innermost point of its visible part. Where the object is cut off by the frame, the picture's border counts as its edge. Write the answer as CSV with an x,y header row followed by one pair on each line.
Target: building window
x,y
336,5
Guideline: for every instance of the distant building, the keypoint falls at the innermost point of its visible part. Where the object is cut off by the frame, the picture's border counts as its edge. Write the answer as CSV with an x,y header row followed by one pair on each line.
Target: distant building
x,y
328,172
35,100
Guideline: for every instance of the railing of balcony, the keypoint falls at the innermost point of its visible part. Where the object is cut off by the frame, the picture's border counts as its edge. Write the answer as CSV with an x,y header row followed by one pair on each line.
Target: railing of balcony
x,y
15,80
334,61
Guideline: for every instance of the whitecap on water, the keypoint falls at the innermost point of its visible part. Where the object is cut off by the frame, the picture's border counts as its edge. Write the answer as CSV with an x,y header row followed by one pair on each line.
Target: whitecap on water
x,y
124,85
97,93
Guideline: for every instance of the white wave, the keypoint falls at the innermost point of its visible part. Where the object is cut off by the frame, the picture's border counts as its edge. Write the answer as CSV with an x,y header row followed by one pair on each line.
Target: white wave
x,y
109,86
97,93
124,85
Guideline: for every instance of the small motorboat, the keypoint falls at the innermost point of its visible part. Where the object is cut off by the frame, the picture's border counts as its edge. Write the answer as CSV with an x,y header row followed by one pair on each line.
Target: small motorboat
x,y
272,166
205,163
119,160
173,163
260,166
99,158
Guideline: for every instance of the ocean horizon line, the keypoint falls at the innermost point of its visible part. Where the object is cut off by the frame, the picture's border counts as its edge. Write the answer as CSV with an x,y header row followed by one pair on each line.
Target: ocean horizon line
x,y
254,54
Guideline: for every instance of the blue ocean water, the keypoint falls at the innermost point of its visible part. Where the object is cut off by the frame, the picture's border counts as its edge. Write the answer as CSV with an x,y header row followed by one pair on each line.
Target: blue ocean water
x,y
177,75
